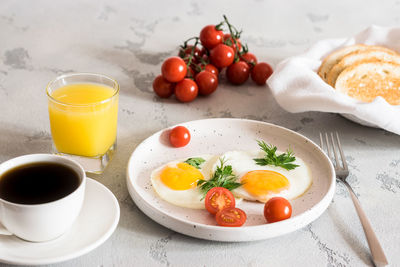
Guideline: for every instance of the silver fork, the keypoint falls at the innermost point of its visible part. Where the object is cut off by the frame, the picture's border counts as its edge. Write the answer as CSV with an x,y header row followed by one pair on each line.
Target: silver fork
x,y
378,256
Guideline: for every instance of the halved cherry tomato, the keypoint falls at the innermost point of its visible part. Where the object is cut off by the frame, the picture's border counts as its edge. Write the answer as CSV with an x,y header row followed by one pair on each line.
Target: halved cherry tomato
x,y
186,90
162,87
238,73
232,217
179,136
261,72
218,198
207,82
222,56
210,36
228,40
249,58
174,69
277,209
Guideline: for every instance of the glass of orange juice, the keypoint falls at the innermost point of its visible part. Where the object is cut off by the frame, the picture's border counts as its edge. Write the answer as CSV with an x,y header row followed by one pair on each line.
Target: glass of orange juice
x,y
83,111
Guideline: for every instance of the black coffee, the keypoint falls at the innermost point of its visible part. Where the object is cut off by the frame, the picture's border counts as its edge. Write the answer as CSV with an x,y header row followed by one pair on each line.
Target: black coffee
x,y
38,183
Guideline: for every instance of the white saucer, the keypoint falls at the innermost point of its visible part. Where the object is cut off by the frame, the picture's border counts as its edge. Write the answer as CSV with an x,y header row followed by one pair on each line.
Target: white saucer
x,y
97,221
215,136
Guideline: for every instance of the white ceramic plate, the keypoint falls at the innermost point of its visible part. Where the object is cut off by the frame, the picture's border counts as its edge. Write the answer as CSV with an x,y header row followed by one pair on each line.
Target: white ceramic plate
x,y
96,222
215,136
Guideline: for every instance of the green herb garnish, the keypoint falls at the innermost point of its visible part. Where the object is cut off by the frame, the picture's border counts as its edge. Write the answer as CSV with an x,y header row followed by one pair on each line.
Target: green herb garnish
x,y
195,162
283,160
223,177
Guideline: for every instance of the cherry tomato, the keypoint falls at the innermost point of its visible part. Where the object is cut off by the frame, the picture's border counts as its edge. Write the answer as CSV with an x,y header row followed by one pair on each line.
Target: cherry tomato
x,y
211,68
162,87
179,136
232,217
238,72
210,36
249,58
186,90
204,58
222,56
218,198
191,73
228,40
203,51
183,52
174,69
277,209
193,62
261,72
207,82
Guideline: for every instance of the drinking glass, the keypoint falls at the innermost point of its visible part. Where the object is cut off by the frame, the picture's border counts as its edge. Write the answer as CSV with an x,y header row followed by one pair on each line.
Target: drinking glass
x,y
83,112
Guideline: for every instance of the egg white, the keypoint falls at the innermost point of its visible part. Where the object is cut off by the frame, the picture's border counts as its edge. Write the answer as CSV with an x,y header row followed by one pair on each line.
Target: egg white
x,y
191,198
300,178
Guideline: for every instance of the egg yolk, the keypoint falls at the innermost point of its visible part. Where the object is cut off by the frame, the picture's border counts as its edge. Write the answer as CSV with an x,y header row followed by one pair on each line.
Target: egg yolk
x,y
264,182
181,177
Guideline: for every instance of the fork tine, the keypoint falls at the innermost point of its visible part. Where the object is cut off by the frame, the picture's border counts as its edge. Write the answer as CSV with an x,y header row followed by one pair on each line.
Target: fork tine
x,y
341,151
335,152
321,141
328,149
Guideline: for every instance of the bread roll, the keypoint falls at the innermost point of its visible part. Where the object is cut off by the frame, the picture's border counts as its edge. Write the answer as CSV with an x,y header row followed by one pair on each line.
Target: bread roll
x,y
370,54
367,80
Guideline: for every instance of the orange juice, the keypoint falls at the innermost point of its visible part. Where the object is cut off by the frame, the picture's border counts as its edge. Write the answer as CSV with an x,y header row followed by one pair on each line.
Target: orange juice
x,y
83,118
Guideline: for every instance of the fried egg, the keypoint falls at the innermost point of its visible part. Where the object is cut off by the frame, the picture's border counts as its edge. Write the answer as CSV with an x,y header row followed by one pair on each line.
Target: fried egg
x,y
260,183
176,181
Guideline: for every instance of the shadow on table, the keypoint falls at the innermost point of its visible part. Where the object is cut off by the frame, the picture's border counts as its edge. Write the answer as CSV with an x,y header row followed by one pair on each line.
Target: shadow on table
x,y
138,69
16,141
348,235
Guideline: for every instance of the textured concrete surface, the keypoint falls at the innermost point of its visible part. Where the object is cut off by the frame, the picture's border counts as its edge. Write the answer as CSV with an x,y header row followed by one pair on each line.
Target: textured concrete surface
x,y
128,40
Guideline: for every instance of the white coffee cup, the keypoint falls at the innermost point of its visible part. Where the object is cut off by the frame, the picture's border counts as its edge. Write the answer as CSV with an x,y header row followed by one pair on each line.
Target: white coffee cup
x,y
47,221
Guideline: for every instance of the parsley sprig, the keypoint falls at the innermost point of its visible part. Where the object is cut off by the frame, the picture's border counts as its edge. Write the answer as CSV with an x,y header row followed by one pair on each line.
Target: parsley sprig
x,y
284,160
195,162
223,177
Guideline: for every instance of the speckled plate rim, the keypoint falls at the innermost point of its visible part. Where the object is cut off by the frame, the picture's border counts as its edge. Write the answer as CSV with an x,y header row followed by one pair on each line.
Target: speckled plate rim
x,y
231,234
98,190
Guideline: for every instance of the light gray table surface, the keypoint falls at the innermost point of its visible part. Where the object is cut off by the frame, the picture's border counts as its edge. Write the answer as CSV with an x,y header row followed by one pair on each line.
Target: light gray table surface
x,y
128,40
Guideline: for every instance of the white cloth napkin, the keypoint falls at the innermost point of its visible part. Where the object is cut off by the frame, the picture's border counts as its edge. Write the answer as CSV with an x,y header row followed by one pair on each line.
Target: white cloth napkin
x,y
297,87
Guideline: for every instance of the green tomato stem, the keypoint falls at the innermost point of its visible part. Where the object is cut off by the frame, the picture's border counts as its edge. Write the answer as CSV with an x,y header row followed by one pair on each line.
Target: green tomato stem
x,y
235,34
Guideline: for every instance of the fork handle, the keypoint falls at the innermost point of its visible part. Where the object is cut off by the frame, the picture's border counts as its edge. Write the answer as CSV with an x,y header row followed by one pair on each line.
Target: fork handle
x,y
378,256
